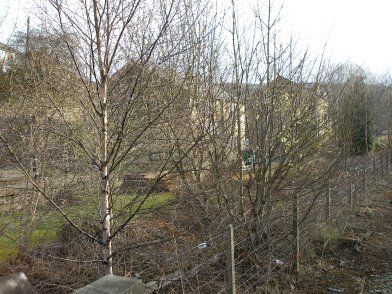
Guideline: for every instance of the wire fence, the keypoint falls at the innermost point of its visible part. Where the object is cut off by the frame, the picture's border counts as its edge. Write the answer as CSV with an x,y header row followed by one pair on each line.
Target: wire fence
x,y
261,250
290,230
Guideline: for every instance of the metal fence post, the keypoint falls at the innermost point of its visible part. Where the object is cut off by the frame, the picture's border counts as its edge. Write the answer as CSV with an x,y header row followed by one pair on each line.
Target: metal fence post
x,y
230,262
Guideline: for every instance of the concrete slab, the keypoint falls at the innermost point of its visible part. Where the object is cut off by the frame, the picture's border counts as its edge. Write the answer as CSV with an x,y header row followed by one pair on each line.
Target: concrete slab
x,y
111,284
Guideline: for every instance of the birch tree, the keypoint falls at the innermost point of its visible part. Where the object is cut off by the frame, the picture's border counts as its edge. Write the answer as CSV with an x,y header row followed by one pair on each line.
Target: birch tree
x,y
111,35
126,84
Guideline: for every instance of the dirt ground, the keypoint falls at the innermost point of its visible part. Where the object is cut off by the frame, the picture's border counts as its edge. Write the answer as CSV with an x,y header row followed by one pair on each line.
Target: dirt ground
x,y
360,261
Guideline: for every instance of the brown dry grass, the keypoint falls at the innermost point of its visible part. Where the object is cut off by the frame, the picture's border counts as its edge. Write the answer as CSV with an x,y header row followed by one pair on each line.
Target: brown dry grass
x,y
352,271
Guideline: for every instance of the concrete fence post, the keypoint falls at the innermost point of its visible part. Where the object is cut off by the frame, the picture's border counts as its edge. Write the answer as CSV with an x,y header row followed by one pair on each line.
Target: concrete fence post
x,y
328,202
35,168
295,228
230,262
364,185
390,155
350,194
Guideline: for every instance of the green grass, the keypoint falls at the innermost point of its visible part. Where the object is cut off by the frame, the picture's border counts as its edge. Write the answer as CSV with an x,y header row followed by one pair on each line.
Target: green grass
x,y
47,224
8,248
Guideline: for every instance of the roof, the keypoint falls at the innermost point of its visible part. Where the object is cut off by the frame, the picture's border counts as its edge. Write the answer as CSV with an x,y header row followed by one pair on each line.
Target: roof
x,y
8,48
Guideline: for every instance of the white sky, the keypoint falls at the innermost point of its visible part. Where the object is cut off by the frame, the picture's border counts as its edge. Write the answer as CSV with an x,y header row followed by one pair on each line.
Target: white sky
x,y
354,30
359,31
11,14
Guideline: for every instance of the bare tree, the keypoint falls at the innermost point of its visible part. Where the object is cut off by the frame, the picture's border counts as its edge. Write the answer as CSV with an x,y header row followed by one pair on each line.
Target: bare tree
x,y
125,81
284,93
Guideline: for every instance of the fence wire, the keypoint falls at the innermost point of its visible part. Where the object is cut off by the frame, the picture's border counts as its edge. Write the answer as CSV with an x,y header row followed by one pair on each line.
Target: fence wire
x,y
261,259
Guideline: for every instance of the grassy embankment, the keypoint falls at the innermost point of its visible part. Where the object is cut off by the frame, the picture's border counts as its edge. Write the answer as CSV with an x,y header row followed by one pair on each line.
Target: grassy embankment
x,y
47,224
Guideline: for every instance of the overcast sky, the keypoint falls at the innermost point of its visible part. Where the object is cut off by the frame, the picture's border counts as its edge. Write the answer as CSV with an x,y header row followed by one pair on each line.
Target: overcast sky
x,y
13,16
354,30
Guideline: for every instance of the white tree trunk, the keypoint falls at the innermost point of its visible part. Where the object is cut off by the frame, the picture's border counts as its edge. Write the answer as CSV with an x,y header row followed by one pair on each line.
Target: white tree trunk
x,y
105,205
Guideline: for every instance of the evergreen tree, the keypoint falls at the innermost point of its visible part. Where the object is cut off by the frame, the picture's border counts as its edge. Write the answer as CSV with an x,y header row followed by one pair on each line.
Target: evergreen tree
x,y
361,133
354,123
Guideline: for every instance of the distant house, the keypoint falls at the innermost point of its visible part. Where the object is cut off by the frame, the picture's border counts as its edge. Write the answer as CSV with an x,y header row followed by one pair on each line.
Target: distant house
x,y
199,121
7,56
220,112
281,113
